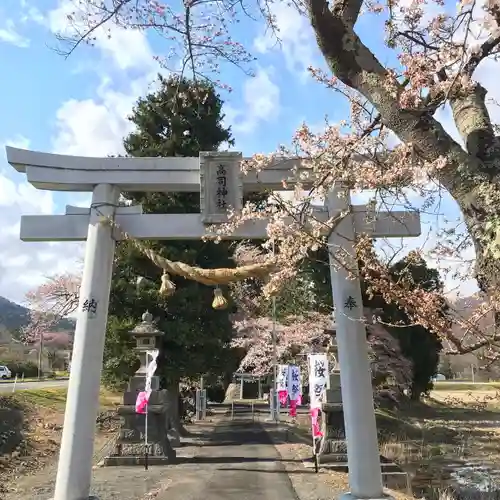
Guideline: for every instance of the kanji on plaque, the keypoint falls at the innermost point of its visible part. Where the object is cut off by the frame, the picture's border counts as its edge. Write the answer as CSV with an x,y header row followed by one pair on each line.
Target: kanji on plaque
x,y
221,190
221,186
90,307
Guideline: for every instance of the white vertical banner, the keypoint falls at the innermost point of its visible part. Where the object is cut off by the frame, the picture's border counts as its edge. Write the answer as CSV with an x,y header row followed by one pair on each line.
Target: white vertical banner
x,y
294,385
282,382
319,378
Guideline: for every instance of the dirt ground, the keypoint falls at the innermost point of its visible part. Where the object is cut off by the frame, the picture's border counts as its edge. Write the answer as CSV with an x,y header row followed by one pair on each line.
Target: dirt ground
x,y
425,439
324,485
36,454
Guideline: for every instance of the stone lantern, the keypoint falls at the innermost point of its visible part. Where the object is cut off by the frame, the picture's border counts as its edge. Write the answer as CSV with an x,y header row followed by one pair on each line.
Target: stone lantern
x,y
334,394
146,336
130,444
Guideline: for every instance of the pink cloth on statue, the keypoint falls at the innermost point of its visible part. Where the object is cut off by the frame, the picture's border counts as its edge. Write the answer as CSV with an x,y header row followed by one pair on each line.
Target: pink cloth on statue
x,y
293,408
314,423
299,399
141,402
283,395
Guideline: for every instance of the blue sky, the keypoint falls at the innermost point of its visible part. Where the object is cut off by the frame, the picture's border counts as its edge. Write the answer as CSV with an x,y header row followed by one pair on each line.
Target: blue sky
x,y
78,106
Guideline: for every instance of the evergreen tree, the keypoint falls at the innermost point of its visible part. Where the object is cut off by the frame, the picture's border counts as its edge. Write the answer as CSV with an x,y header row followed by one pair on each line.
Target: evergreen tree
x,y
182,118
417,343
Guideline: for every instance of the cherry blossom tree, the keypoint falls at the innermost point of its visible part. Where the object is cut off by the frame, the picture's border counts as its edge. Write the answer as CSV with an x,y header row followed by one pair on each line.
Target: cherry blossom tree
x,y
435,49
255,335
48,304
56,340
57,296
53,300
298,336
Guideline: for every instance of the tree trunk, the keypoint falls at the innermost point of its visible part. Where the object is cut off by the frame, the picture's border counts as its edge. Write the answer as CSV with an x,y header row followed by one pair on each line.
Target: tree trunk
x,y
481,210
470,175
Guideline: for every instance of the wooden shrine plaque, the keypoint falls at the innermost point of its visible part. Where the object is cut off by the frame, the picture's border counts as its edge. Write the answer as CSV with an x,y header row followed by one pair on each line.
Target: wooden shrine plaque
x,y
221,186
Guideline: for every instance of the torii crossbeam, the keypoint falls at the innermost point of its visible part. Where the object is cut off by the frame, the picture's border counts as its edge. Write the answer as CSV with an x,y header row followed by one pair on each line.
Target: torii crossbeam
x,y
218,178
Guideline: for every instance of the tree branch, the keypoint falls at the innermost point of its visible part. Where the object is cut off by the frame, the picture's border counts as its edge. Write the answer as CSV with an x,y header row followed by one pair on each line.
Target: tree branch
x,y
473,120
482,53
357,67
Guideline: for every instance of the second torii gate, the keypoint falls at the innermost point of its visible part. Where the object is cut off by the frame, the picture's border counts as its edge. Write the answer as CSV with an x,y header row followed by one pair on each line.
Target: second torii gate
x,y
218,178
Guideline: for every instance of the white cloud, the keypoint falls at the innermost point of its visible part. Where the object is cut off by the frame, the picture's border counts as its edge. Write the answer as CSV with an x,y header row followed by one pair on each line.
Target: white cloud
x,y
25,265
96,126
261,97
126,48
90,127
296,39
30,13
9,34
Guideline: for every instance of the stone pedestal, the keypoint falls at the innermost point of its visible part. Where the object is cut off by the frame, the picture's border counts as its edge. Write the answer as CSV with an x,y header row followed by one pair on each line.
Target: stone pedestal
x,y
334,394
130,444
333,445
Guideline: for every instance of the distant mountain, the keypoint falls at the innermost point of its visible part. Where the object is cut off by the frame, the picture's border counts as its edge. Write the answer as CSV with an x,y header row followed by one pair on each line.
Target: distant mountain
x,y
14,316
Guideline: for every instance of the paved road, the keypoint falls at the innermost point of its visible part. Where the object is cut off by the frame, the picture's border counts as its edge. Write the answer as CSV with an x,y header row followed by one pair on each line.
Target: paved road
x,y
238,463
45,384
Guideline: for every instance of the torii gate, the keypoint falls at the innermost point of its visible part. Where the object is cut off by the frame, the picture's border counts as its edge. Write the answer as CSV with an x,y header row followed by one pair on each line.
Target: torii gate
x,y
106,178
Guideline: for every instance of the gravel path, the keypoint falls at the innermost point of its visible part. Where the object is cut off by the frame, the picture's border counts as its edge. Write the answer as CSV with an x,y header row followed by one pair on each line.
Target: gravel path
x,y
124,483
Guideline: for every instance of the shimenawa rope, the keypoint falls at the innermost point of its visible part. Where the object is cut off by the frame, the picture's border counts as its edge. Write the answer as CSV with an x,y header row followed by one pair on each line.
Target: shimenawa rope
x,y
210,277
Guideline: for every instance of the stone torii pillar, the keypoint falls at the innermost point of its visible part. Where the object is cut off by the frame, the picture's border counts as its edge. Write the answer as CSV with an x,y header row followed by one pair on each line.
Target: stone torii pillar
x,y
82,403
363,458
208,174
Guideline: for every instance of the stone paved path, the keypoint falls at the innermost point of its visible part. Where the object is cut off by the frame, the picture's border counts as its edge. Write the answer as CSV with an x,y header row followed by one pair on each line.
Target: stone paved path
x,y
240,463
229,460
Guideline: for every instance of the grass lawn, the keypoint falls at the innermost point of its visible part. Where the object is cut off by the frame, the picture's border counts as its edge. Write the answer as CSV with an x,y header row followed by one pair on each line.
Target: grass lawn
x,y
465,386
54,398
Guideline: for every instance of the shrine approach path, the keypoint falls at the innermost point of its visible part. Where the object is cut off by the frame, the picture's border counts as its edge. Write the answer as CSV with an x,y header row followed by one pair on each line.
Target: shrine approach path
x,y
225,460
237,462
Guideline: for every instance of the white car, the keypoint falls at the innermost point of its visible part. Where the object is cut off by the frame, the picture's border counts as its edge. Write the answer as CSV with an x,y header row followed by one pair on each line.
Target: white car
x,y
5,372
